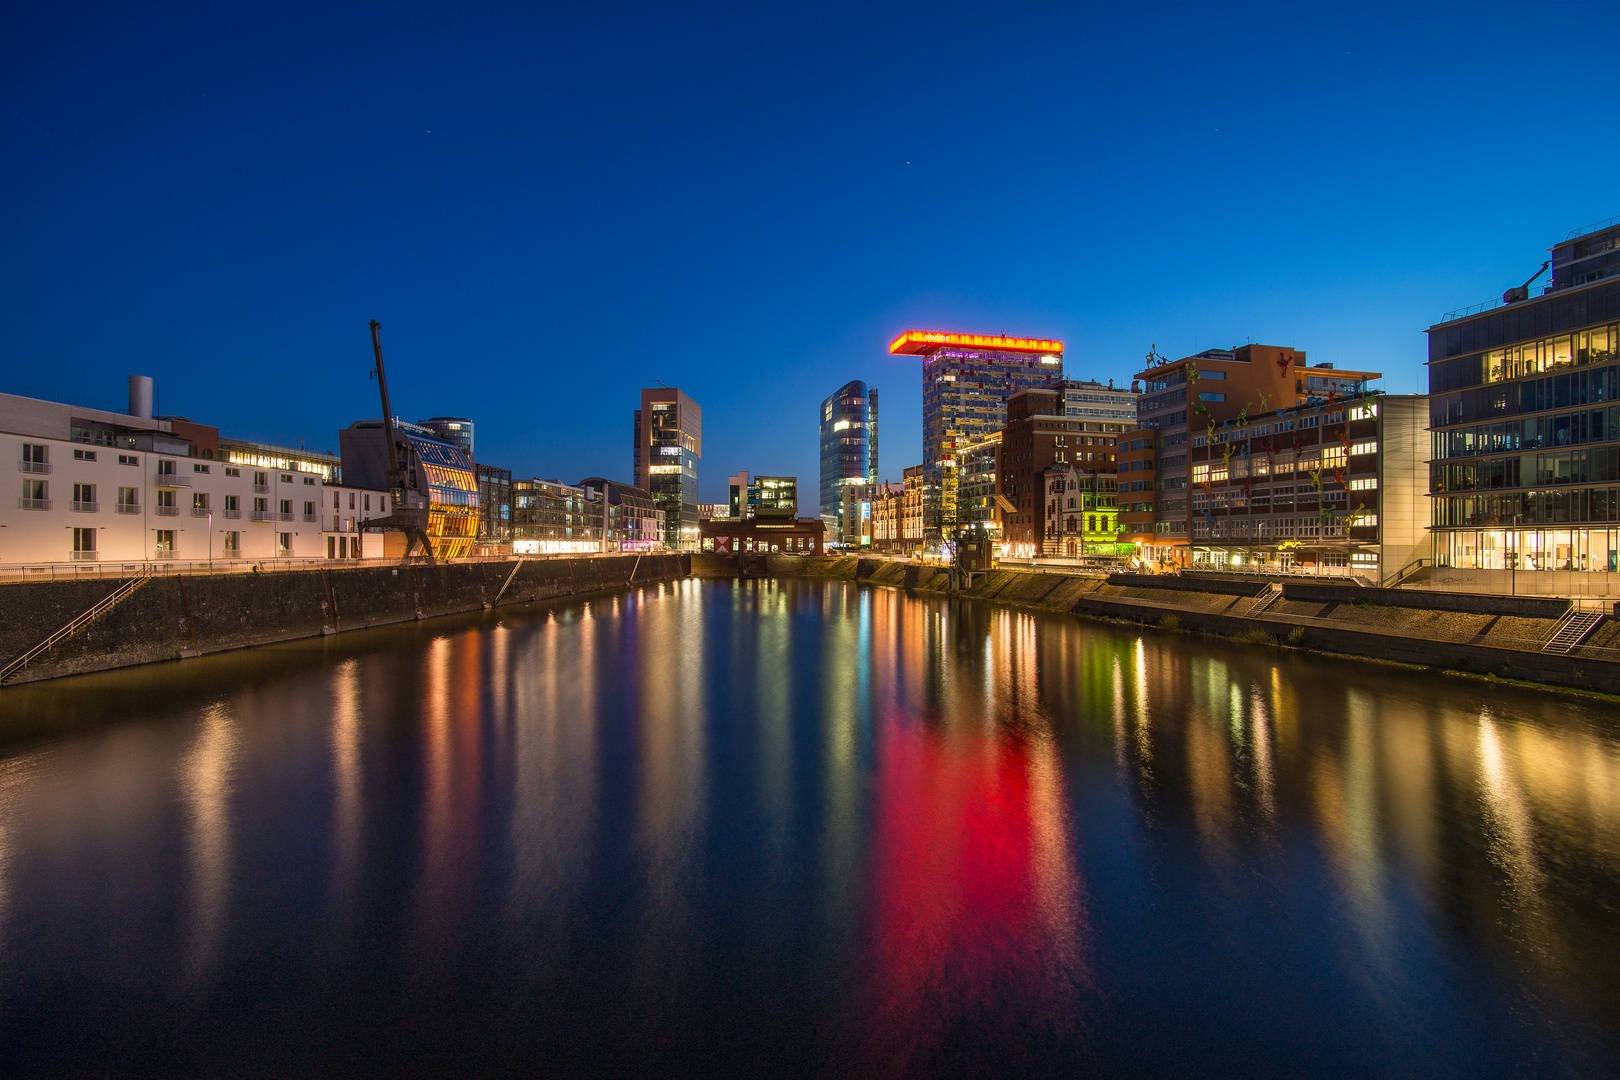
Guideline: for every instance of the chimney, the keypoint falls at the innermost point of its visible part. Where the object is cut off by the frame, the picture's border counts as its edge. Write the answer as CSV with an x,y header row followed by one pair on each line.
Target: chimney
x,y
142,396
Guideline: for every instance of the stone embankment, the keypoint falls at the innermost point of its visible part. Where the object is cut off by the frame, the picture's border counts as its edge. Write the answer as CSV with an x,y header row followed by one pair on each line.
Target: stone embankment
x,y
175,616
1488,635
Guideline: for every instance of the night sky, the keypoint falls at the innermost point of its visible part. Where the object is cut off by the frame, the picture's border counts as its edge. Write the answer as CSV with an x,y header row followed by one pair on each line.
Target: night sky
x,y
550,208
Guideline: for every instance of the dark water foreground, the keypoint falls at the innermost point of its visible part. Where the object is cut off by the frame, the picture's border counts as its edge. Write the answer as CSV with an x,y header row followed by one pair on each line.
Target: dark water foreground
x,y
803,828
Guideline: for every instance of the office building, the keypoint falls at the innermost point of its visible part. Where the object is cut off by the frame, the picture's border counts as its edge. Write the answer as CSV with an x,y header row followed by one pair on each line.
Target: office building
x,y
1038,436
442,471
737,497
763,536
849,444
553,518
1335,488
1111,408
1200,394
774,497
457,430
634,522
977,512
1525,473
668,447
494,506
967,382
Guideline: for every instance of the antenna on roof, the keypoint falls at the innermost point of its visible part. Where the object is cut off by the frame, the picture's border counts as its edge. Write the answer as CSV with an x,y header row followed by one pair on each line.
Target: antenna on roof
x,y
662,383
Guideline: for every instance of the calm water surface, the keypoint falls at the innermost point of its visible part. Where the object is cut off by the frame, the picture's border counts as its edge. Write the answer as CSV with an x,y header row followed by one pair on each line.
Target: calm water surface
x,y
803,828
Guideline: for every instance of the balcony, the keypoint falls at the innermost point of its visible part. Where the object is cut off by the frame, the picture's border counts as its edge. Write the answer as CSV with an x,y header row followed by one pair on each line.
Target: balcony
x,y
261,489
263,515
230,513
169,479
127,508
84,556
166,511
84,507
233,553
34,504
35,466
284,516
164,553
311,517
201,511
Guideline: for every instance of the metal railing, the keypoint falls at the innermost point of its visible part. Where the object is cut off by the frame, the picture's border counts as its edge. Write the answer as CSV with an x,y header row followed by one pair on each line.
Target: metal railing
x,y
201,511
33,504
237,563
166,511
261,489
284,516
34,466
1474,310
1592,228
79,621
169,479
232,514
85,556
311,517
165,554
85,507
263,515
127,508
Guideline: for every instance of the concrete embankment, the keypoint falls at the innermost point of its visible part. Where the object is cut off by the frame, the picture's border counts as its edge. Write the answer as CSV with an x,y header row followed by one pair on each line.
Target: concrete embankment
x,y
176,616
1500,635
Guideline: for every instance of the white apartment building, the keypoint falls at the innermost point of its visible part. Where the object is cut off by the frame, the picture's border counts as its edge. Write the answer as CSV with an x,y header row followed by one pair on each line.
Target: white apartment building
x,y
101,486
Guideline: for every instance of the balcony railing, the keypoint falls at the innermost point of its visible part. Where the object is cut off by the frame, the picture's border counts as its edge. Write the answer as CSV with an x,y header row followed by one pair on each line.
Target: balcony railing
x,y
169,479
34,504
201,511
85,507
84,556
284,516
231,513
163,553
127,508
233,553
261,489
263,515
166,511
311,517
35,466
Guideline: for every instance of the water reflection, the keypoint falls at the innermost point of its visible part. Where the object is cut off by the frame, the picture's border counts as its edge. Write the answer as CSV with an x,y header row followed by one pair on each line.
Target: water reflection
x,y
792,827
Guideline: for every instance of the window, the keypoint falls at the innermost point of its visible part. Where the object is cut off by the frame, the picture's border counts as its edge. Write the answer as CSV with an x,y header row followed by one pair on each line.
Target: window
x,y
199,501
286,478
260,482
201,468
84,455
165,467
1211,375
261,506
368,503
84,497
309,511
233,543
129,459
1365,448
35,496
165,542
233,504
1332,456
232,472
1211,397
35,458
129,501
286,509
310,480
351,500
1366,484
337,500
84,542
283,543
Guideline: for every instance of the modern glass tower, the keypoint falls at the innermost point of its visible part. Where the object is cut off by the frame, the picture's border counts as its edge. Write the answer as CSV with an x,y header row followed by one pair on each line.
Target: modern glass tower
x,y
668,447
967,379
849,444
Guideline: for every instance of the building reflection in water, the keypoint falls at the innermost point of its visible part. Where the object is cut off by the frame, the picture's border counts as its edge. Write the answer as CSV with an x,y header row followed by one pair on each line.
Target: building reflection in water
x,y
205,786
452,803
347,780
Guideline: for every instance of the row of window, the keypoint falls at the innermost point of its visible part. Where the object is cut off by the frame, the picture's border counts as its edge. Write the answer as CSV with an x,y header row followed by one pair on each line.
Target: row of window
x,y
1576,505
1535,395
1596,465
1531,433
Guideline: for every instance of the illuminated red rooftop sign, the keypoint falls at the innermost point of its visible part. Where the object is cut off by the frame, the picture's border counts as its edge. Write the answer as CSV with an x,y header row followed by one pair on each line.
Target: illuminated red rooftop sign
x,y
924,342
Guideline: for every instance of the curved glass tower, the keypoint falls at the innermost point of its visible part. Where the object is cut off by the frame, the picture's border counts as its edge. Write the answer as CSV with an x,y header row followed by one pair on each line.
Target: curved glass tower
x,y
849,444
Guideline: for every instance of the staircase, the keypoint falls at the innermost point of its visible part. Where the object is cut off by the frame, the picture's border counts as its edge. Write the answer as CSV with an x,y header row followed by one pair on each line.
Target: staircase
x,y
1576,625
1271,595
80,621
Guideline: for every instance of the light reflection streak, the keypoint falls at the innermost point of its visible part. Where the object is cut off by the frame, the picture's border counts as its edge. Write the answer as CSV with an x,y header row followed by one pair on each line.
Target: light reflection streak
x,y
205,790
346,779
1512,836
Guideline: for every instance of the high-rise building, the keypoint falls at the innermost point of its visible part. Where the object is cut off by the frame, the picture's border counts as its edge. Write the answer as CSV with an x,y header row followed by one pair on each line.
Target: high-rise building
x,y
668,447
849,445
1198,395
967,379
1525,424
452,429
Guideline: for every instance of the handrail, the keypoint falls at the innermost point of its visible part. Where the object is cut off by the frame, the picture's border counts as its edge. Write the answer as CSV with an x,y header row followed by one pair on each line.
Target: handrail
x,y
77,623
1395,579
1592,228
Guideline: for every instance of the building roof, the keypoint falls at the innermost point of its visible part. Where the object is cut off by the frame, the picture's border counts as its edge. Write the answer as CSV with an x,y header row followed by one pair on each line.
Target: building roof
x,y
928,342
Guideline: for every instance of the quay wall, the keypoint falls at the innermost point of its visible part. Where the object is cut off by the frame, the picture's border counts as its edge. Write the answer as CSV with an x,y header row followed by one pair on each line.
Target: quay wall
x,y
1485,635
181,615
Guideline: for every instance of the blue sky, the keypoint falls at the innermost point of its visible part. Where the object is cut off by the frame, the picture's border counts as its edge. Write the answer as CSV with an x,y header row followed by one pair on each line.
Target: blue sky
x,y
548,208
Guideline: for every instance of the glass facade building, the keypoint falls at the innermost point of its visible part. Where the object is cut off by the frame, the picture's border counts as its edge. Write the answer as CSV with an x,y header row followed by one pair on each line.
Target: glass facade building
x,y
1524,412
440,470
494,503
849,446
452,429
668,447
967,380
